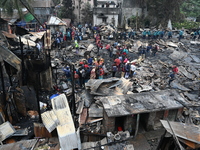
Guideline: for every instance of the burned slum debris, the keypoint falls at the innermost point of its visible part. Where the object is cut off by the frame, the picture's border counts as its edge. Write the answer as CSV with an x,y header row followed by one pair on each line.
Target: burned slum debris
x,y
74,90
181,133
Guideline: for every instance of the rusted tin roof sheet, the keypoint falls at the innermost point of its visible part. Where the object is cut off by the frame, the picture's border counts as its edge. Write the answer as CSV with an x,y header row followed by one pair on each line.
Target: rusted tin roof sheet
x,y
122,105
186,131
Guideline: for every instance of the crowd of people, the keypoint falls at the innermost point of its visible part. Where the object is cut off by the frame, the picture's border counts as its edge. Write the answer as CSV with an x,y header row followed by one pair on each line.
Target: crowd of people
x,y
79,31
122,65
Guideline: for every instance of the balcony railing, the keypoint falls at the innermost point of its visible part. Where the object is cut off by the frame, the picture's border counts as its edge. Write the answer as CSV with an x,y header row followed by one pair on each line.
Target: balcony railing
x,y
107,10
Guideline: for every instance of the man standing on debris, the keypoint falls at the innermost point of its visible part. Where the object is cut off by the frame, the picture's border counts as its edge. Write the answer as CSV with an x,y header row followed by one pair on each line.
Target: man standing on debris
x,y
169,34
155,50
101,72
149,34
90,60
67,73
127,70
149,48
144,34
117,61
180,35
114,69
108,49
143,52
76,46
93,73
133,68
173,74
73,34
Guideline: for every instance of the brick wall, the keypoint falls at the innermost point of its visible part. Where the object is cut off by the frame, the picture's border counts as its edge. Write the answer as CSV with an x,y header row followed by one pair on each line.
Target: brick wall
x,y
130,123
108,123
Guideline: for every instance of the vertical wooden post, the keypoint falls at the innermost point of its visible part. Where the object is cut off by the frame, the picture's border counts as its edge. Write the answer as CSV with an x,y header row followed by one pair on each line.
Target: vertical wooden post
x,y
3,88
22,57
73,92
37,95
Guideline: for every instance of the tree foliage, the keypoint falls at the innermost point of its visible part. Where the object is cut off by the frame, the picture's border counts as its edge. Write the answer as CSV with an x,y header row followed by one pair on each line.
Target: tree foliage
x,y
186,24
87,15
163,10
191,8
160,11
9,6
66,10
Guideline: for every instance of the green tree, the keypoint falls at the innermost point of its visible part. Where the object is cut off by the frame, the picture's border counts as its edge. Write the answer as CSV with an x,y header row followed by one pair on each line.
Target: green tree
x,y
9,6
66,11
191,8
163,10
87,14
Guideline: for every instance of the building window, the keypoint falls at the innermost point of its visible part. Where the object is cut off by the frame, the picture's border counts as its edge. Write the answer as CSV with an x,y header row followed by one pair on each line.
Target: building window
x,y
104,20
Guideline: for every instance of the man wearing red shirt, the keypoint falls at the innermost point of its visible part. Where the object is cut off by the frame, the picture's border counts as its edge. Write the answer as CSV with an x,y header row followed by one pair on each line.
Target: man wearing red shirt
x,y
175,69
117,62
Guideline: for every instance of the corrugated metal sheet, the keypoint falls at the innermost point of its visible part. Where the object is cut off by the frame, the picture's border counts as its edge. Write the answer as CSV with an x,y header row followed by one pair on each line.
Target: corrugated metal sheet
x,y
6,130
10,58
66,130
28,42
21,145
39,35
50,120
8,35
55,21
109,86
123,105
186,131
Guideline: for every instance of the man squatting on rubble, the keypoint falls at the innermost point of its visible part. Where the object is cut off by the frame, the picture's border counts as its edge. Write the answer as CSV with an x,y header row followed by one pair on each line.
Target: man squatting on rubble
x,y
94,67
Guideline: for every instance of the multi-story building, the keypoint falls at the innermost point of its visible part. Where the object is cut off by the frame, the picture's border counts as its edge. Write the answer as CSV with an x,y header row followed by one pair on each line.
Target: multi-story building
x,y
107,12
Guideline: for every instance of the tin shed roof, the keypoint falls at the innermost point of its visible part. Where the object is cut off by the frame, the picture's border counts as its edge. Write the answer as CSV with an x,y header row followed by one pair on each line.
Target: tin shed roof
x,y
122,105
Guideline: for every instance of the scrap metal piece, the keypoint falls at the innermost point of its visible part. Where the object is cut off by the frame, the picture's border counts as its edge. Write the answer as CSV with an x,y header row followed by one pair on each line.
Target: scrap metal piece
x,y
188,132
142,102
10,58
49,120
176,85
68,137
6,130
185,73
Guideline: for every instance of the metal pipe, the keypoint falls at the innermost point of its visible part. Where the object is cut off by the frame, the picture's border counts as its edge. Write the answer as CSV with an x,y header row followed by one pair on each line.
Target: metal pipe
x,y
137,124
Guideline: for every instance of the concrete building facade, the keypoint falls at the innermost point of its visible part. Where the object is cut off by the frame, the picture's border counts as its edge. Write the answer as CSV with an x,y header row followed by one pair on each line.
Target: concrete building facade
x,y
106,12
